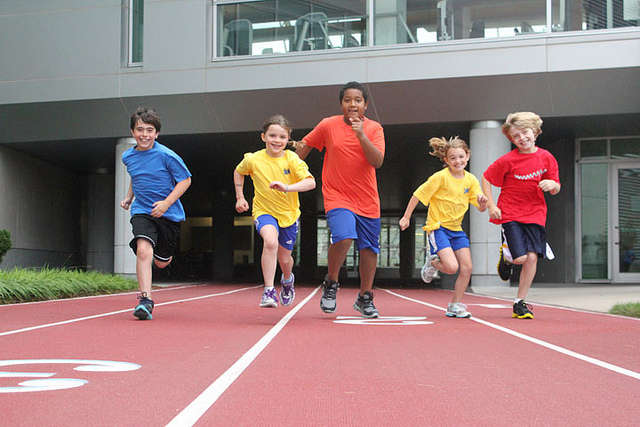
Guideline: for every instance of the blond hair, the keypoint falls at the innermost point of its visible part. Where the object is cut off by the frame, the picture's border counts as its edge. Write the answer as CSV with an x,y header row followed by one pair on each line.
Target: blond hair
x,y
523,120
441,146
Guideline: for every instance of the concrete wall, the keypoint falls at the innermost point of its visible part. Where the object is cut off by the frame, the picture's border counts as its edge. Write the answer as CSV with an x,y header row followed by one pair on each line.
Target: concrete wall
x,y
41,209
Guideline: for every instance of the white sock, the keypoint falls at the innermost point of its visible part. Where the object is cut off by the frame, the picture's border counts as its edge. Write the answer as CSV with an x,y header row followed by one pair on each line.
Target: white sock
x,y
517,300
268,288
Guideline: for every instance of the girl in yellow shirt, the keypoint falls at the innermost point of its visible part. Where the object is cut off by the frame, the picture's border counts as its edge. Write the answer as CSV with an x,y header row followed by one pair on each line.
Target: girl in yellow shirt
x,y
278,175
448,193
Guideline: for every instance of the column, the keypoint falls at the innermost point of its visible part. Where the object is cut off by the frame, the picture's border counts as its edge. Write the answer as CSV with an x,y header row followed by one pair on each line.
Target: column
x,y
124,260
487,143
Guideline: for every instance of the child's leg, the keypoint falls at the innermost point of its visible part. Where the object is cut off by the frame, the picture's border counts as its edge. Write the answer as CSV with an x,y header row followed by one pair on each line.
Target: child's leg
x,y
286,261
447,264
162,264
529,264
336,255
269,236
144,257
367,268
463,256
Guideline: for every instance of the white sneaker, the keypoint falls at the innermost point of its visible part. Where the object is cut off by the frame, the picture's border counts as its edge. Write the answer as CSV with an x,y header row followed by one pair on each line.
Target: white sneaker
x,y
269,298
457,309
428,270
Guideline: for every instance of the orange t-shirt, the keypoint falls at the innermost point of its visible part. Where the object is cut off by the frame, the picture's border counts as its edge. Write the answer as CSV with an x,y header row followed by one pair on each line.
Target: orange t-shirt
x,y
348,180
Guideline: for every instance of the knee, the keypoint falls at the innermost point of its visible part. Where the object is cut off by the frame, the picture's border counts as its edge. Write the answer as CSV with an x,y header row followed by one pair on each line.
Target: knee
x,y
466,269
270,245
448,268
144,250
521,259
162,264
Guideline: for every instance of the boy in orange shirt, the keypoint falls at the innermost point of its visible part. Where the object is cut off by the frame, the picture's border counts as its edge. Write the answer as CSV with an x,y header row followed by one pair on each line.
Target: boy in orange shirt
x,y
354,148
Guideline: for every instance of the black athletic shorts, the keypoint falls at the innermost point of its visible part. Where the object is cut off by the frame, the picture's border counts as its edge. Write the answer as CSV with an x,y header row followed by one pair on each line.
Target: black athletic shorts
x,y
162,233
523,238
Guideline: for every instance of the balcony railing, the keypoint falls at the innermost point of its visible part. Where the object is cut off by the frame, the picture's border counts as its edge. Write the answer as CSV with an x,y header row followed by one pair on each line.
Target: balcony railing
x,y
272,27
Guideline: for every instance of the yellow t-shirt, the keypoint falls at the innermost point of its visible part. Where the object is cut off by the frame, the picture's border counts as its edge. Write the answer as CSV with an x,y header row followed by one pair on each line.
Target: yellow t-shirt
x,y
448,199
263,169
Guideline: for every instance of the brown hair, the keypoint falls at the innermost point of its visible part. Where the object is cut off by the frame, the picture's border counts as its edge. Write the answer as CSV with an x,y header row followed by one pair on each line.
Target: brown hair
x,y
523,120
146,115
277,119
441,146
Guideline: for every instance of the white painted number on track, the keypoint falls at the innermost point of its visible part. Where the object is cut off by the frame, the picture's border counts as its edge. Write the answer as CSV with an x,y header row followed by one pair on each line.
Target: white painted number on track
x,y
385,320
48,383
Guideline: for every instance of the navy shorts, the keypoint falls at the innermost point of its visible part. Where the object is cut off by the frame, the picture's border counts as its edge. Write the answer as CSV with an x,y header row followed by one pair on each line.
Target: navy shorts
x,y
162,233
524,238
286,236
443,238
345,224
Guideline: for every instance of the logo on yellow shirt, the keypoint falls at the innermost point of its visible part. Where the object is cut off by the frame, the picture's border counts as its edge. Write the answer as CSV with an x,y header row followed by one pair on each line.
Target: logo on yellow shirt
x,y
286,171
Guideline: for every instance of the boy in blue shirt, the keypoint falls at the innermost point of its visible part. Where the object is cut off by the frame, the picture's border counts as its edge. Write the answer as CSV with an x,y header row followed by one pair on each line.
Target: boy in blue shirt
x,y
158,178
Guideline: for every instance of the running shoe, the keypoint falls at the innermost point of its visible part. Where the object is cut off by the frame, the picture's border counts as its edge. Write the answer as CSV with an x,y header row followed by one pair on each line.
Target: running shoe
x,y
522,310
364,304
288,292
269,298
504,267
457,309
144,308
329,291
428,270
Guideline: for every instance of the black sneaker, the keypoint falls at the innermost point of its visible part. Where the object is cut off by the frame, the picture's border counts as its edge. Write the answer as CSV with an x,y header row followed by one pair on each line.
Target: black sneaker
x,y
504,267
522,311
144,308
329,291
364,304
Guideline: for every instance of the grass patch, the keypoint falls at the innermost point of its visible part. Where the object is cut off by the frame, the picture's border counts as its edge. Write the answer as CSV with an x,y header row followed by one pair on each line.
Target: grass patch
x,y
631,309
24,285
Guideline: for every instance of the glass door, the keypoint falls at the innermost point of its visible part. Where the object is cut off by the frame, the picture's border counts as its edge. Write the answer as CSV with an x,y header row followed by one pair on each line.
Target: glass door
x,y
625,223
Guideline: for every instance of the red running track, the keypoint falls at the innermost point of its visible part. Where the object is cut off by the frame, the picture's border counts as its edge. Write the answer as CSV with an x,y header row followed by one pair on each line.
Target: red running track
x,y
211,356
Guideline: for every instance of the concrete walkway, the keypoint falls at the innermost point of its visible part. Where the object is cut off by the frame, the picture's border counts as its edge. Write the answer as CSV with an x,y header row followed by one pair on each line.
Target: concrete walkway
x,y
594,298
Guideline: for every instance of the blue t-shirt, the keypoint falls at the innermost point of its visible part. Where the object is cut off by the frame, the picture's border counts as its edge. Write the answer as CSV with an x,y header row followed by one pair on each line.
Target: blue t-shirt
x,y
154,174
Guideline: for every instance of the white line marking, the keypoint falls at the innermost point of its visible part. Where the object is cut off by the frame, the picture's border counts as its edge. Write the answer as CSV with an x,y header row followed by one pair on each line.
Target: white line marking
x,y
94,296
192,413
111,313
542,343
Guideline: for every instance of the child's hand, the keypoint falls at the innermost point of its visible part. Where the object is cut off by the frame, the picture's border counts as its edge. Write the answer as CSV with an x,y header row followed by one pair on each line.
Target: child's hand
x,y
242,205
547,185
280,186
159,208
482,202
495,212
356,124
404,223
125,204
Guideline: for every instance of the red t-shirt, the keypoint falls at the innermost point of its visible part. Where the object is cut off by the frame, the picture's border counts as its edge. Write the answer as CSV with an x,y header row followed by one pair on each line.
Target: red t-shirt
x,y
348,179
518,176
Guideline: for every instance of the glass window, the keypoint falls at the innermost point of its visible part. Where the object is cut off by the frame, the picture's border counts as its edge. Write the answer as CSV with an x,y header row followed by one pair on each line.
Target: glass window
x,y
580,15
625,148
136,21
594,220
322,247
281,26
389,256
593,148
421,243
414,21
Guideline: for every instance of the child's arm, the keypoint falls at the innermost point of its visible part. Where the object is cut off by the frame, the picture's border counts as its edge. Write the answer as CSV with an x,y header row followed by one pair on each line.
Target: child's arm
x,y
241,202
406,218
482,202
549,185
161,206
494,211
306,184
126,202
371,153
302,149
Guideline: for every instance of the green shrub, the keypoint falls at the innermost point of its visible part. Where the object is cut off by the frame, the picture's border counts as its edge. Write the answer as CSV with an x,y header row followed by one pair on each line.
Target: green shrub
x,y
5,243
631,309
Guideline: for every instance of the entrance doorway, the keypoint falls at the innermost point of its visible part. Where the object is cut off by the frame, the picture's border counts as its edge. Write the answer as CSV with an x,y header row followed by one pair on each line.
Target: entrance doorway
x,y
625,223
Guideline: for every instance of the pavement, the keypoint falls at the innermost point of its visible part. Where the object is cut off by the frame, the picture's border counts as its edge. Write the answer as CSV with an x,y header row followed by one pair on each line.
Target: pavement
x,y
585,297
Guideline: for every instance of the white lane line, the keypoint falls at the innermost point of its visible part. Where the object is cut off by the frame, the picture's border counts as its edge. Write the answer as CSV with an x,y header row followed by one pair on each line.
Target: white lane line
x,y
542,343
111,313
192,413
94,296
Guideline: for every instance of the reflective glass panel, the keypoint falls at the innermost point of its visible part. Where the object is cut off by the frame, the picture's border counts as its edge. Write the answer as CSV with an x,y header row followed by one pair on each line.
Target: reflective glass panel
x,y
629,220
389,256
579,15
421,246
593,148
136,30
282,26
594,220
625,148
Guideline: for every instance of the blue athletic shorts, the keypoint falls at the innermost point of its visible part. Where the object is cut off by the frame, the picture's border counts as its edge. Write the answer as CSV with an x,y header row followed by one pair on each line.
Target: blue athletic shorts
x,y
345,224
286,236
443,238
523,238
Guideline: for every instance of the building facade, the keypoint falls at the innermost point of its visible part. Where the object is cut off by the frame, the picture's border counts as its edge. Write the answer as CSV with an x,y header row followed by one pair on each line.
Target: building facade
x,y
72,72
